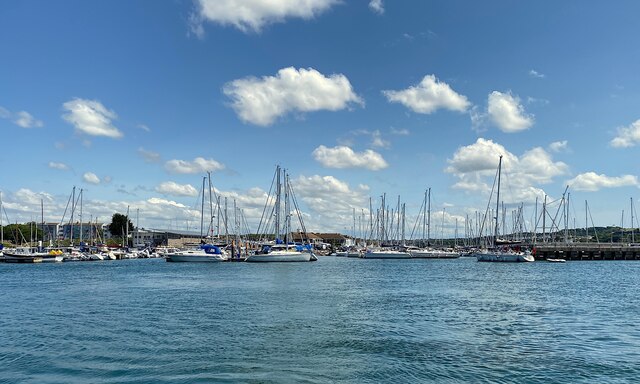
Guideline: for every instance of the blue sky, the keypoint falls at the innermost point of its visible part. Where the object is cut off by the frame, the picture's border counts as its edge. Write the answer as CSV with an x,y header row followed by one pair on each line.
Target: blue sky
x,y
133,101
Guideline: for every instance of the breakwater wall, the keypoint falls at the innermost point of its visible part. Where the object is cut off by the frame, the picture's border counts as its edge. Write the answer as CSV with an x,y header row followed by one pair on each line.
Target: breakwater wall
x,y
587,251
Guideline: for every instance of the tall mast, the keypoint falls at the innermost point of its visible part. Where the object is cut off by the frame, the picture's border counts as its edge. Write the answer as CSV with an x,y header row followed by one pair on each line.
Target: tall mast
x,y
287,216
81,218
632,237
202,209
495,238
277,207
73,208
429,219
211,215
42,216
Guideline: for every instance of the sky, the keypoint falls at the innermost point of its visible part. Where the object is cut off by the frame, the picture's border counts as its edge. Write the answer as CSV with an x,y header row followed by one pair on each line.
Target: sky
x,y
133,102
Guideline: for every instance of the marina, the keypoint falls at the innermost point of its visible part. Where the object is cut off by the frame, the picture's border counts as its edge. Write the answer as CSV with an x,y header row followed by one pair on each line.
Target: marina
x,y
340,320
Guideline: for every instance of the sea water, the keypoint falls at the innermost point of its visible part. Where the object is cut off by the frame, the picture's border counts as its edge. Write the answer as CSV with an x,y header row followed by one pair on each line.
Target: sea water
x,y
337,320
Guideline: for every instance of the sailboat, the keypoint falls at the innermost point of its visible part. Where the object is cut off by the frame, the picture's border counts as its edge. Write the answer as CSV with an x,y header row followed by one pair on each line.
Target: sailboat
x,y
283,250
494,254
429,252
203,253
384,252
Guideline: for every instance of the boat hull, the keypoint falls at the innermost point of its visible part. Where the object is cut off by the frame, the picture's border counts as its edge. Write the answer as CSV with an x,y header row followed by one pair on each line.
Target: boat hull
x,y
497,257
386,255
434,255
194,258
279,257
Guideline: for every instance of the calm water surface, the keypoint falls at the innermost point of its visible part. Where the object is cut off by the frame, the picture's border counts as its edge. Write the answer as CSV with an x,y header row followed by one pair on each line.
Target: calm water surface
x,y
337,320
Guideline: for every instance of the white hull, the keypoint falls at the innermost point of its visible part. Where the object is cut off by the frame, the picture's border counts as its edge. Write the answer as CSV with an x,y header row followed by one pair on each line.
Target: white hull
x,y
433,254
280,256
348,254
386,255
504,257
195,257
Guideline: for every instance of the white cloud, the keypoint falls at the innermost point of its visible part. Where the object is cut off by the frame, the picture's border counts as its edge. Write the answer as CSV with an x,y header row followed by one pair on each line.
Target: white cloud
x,y
330,201
345,157
25,120
475,167
262,101
253,15
91,178
506,112
198,165
144,127
591,181
91,117
627,136
172,188
429,96
22,119
377,141
59,166
536,74
400,131
559,146
149,156
376,6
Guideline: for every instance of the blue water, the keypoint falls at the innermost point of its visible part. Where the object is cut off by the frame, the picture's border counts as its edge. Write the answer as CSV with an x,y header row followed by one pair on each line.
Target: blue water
x,y
337,320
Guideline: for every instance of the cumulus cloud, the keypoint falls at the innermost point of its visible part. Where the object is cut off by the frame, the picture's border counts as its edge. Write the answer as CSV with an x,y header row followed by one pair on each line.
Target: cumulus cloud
x,y
25,120
627,136
253,15
376,6
22,118
172,188
559,146
591,182
330,201
59,166
507,113
149,156
198,165
475,166
429,96
90,117
345,157
262,101
91,178
536,74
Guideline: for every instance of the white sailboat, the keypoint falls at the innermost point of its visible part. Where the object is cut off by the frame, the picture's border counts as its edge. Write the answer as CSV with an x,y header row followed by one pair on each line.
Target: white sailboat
x,y
279,250
205,252
382,252
501,255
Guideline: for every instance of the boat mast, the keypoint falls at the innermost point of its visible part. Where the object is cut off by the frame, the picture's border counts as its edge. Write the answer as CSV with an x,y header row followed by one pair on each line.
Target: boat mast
x,y
73,208
429,219
632,236
42,217
81,216
211,215
202,209
277,207
495,238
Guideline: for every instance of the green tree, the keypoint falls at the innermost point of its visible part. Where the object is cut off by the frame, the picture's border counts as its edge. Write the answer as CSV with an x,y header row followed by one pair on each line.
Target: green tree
x,y
117,226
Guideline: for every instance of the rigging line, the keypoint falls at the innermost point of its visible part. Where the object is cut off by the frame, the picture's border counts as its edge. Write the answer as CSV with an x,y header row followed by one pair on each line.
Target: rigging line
x,y
264,210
